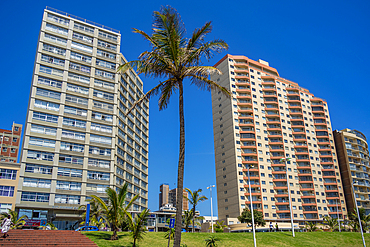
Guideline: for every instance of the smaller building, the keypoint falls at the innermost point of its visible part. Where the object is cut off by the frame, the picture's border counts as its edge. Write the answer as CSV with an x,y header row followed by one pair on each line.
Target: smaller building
x,y
167,196
9,178
9,143
353,156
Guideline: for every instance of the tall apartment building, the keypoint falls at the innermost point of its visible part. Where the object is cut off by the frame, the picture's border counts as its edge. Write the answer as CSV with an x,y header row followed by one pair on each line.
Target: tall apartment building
x,y
77,138
10,142
167,196
268,118
353,157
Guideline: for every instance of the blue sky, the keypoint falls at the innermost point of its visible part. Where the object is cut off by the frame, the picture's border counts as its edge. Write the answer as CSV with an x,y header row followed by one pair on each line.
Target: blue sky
x,y
321,45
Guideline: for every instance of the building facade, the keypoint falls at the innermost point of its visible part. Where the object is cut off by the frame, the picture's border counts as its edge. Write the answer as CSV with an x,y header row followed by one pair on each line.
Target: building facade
x,y
266,119
353,157
9,143
78,140
9,178
167,196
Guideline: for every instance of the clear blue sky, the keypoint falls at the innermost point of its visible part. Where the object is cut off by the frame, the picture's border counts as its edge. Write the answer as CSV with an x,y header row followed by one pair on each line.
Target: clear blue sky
x,y
321,45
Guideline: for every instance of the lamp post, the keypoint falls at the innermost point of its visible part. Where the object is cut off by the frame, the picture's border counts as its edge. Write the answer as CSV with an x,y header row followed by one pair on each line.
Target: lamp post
x,y
210,189
251,200
284,160
358,214
338,215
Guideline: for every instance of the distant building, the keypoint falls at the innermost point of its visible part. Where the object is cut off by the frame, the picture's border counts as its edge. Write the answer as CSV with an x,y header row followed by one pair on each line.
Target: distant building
x,y
9,143
353,156
9,176
167,196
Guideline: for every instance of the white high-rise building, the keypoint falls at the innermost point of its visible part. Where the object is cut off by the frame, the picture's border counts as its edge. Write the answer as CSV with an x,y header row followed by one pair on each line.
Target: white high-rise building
x,y
77,138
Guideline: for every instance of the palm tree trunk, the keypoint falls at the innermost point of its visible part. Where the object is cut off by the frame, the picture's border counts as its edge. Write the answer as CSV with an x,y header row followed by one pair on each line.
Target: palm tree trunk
x,y
193,218
180,169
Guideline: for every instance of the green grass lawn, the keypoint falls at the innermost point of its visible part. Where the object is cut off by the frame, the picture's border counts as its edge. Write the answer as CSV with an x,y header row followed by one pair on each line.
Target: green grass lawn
x,y
311,239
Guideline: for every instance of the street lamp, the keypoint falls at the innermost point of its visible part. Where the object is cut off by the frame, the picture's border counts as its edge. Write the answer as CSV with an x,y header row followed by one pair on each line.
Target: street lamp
x,y
250,199
284,160
210,188
358,214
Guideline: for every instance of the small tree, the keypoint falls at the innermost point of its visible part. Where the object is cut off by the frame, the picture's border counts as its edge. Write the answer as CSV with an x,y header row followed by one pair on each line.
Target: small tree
x,y
137,225
311,226
16,223
195,198
331,222
219,226
246,217
212,241
187,219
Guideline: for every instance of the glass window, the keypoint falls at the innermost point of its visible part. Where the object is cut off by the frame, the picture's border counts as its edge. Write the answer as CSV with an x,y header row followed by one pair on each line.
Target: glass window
x,y
7,191
38,169
45,117
35,197
8,174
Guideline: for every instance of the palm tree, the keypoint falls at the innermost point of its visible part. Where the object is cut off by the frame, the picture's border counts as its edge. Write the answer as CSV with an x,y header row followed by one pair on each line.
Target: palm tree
x,y
176,58
219,226
187,219
16,223
137,225
311,226
96,214
364,218
115,210
212,241
331,222
194,199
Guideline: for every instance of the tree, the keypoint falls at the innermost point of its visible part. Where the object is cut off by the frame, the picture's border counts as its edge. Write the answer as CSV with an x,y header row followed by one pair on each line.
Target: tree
x,y
176,58
311,226
364,219
115,210
137,225
16,223
246,217
219,226
331,222
212,241
194,199
187,219
96,214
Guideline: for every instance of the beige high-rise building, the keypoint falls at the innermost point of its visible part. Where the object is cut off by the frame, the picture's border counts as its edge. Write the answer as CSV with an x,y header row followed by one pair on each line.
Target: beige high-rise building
x,y
353,157
167,196
268,118
77,138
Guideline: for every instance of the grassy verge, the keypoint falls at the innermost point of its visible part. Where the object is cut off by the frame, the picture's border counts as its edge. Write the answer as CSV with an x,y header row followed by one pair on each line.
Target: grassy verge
x,y
285,239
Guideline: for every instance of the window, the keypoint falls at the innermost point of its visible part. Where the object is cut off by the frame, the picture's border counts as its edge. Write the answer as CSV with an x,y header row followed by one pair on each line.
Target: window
x,y
81,47
104,74
7,191
4,207
54,49
48,93
99,163
107,36
79,78
99,151
105,54
66,185
98,175
72,147
49,82
77,89
41,142
41,169
104,106
67,199
37,183
75,111
80,57
8,174
52,60
68,172
71,159
56,29
107,45
82,37
105,84
101,139
38,155
35,197
73,135
46,105
76,100
101,127
74,123
98,188
51,71
83,28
